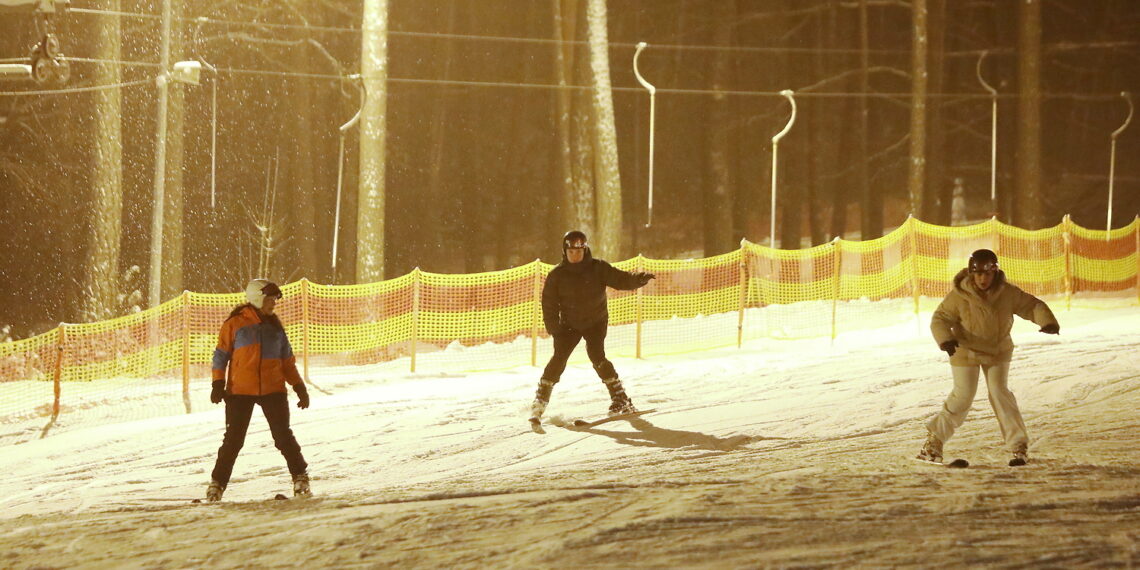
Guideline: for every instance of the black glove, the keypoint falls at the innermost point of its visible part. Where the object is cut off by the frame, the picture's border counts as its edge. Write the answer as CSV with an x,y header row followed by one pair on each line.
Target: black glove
x,y
949,346
218,391
643,278
302,395
1051,328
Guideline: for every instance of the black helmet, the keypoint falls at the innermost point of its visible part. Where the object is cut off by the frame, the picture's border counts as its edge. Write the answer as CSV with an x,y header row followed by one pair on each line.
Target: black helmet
x,y
983,260
574,237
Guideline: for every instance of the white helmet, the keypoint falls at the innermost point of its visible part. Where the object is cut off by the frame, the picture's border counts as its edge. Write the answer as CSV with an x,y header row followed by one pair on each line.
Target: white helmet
x,y
259,289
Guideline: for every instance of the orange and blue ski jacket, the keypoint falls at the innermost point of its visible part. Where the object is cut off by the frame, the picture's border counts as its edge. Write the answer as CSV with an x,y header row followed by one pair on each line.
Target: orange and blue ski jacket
x,y
258,354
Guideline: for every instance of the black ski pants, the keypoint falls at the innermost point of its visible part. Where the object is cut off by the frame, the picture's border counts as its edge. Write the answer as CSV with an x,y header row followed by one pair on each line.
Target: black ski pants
x,y
239,410
564,344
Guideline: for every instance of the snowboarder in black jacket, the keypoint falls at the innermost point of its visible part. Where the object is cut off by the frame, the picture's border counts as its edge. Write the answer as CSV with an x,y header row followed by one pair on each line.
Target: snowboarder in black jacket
x,y
573,308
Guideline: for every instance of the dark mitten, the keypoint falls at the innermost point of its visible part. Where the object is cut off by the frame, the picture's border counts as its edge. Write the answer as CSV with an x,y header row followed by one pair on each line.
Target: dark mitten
x,y
643,278
950,346
302,395
218,391
1051,328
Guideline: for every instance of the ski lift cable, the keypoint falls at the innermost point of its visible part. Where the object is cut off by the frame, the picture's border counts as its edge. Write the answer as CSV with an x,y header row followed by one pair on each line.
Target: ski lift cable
x,y
86,89
478,37
1088,97
624,45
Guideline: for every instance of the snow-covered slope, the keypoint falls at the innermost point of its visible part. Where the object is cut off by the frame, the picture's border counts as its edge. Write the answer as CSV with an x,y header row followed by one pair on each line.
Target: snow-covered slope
x,y
780,453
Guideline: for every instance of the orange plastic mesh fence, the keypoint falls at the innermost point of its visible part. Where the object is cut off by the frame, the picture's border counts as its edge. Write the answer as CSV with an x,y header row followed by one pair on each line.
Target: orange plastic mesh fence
x,y
157,362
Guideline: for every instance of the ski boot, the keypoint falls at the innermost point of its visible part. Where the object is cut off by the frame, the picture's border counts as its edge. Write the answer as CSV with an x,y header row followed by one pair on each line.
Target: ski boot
x,y
214,491
931,450
541,398
619,401
301,485
536,410
1020,455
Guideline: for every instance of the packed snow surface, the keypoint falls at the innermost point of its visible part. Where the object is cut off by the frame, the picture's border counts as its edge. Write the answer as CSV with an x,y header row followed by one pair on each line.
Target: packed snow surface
x,y
779,453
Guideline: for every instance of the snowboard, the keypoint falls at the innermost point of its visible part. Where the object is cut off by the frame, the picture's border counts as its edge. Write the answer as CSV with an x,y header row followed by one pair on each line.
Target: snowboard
x,y
277,497
585,424
955,464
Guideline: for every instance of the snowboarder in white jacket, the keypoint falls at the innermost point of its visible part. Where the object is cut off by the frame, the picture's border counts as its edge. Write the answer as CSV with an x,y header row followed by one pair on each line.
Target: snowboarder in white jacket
x,y
574,307
972,326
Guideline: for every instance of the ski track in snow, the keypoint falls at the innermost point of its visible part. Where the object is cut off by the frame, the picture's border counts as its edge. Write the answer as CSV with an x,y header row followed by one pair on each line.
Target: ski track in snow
x,y
785,453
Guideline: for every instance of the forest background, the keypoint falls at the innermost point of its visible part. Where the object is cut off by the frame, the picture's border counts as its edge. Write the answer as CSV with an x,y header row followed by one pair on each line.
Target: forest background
x,y
490,128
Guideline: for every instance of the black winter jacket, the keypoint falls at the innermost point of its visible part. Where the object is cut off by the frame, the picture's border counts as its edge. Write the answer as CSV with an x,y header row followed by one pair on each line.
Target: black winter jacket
x,y
574,295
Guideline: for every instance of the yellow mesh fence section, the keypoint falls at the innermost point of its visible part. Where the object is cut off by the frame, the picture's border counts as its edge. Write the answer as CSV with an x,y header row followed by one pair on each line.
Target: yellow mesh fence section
x,y
157,362
1104,263
788,291
349,325
27,371
497,311
707,292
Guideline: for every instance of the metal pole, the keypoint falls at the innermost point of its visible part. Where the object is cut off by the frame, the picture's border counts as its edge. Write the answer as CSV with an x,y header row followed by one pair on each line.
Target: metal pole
x,y
652,120
340,160
993,134
159,201
775,151
1112,162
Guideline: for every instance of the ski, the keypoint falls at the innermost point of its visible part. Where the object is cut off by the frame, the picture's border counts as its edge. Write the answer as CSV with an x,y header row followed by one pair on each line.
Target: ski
x,y
584,424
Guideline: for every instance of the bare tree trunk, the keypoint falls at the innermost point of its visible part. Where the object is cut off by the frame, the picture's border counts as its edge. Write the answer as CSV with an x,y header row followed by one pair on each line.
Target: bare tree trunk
x,y
606,172
436,188
916,182
303,230
583,195
821,130
849,109
938,194
173,232
373,130
872,202
576,152
107,221
722,138
1028,209
789,186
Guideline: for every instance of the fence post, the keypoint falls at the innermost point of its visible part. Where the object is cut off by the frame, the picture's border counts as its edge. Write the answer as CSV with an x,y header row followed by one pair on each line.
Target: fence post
x,y
186,350
743,293
838,277
415,313
912,229
305,316
536,312
1066,240
1136,232
995,236
637,306
61,340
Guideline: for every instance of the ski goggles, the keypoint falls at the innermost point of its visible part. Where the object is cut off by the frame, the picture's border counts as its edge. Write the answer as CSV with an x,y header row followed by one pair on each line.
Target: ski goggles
x,y
272,290
984,267
578,245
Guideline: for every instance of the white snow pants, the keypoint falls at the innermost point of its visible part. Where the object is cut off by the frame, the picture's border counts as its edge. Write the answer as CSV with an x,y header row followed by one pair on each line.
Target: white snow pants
x,y
958,403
